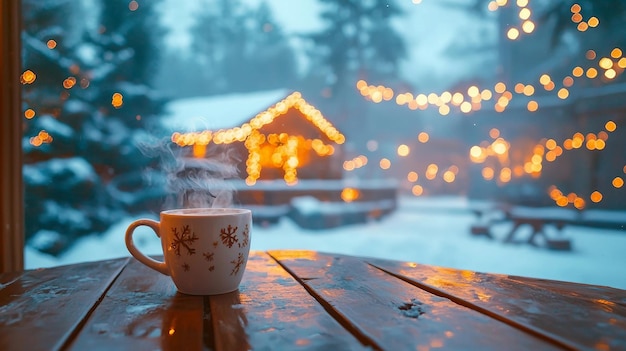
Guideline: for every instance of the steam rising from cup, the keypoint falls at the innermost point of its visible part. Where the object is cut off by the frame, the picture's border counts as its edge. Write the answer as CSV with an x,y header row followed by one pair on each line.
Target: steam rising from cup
x,y
192,182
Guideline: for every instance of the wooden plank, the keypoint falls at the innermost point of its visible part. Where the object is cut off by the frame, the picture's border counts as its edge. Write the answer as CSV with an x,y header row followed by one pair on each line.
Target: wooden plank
x,y
389,313
41,309
11,181
576,290
143,311
271,311
580,319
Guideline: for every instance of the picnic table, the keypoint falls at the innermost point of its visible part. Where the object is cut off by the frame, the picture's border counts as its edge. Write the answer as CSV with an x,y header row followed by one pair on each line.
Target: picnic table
x,y
546,223
539,219
306,300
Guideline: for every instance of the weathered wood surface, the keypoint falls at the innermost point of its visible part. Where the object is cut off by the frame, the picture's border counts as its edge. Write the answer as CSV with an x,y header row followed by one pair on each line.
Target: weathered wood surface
x,y
41,309
143,311
309,301
272,311
388,313
574,316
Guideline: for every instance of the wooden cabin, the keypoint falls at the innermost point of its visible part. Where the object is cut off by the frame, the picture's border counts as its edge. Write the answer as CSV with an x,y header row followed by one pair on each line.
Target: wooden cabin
x,y
287,138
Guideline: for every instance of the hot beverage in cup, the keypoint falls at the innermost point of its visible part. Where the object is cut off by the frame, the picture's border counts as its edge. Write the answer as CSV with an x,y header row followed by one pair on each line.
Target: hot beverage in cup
x,y
205,250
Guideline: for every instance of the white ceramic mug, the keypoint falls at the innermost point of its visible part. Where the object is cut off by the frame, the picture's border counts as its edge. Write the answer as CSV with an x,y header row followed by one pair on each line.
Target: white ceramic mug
x,y
205,250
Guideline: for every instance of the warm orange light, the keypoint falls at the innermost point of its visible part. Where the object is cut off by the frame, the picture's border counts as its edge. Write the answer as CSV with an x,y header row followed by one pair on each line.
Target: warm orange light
x,y
449,176
577,17
593,22
579,203
199,151
512,33
349,165
476,153
605,63
600,144
466,107
610,126
505,175
412,176
473,91
562,201
596,196
403,150
431,171
590,55
582,26
117,100
618,182
568,81
494,133
500,87
69,82
51,44
423,137
616,53
417,190
578,71
550,144
457,98
486,94
488,173
575,8
532,106
528,26
610,73
385,163
28,77
499,146
544,79
568,144
528,90
349,194
444,110
524,13
592,73
30,113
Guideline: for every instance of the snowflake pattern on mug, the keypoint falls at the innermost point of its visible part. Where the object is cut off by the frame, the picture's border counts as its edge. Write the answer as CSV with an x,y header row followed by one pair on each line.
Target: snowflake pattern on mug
x,y
209,257
229,236
237,264
246,237
185,238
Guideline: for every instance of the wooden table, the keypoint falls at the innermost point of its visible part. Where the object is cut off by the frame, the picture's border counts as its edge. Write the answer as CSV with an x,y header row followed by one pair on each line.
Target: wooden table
x,y
306,300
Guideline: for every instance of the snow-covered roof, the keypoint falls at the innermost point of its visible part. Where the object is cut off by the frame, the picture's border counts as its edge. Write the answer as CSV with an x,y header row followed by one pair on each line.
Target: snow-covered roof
x,y
232,118
218,112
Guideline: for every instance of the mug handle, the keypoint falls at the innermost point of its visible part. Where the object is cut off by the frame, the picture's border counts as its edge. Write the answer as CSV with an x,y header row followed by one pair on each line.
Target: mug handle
x,y
158,266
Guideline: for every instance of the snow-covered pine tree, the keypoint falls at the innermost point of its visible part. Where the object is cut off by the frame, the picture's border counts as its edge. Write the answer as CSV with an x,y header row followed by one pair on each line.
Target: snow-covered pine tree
x,y
75,140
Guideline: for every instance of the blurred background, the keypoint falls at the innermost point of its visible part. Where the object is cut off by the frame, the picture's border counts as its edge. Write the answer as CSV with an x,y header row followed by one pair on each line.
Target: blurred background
x,y
473,105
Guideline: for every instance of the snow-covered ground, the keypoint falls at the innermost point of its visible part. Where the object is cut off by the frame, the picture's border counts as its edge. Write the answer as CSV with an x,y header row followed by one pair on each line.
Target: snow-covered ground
x,y
425,230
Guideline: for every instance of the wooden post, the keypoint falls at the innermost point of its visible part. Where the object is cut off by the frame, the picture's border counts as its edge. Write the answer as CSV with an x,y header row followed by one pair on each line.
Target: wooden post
x,y
11,185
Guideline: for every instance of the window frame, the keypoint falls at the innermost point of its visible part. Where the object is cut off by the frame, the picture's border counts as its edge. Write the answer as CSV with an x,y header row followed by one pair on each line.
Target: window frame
x,y
11,182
